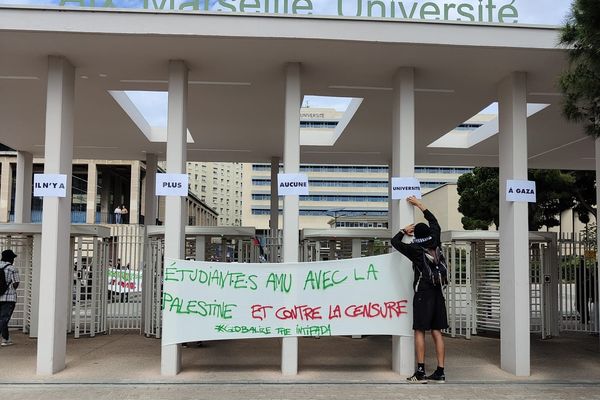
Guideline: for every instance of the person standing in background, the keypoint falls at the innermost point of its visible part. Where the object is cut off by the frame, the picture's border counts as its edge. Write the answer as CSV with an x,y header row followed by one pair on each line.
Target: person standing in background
x,y
124,214
8,299
117,213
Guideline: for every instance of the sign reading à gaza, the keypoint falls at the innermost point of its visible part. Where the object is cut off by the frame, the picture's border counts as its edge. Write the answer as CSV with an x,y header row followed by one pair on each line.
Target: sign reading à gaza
x,y
292,184
215,301
405,187
520,191
483,11
172,185
50,185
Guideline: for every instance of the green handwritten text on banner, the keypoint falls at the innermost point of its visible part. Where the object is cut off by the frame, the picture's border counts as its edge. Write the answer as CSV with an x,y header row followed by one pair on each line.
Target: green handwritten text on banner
x,y
210,301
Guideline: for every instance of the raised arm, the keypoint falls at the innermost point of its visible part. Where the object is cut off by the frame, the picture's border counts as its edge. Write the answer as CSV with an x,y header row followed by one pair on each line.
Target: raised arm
x,y
409,251
436,231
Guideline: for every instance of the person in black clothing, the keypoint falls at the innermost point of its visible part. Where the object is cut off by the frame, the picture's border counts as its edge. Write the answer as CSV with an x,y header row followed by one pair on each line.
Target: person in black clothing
x,y
429,307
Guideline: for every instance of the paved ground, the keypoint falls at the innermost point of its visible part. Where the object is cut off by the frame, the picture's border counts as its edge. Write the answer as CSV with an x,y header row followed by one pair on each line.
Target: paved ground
x,y
465,391
127,366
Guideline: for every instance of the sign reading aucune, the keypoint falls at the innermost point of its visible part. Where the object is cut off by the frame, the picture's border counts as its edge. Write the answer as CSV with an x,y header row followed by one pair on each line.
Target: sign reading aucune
x,y
292,184
486,11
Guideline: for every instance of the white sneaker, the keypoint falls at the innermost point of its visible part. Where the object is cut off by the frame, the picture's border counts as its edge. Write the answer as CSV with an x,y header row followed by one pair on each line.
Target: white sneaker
x,y
6,343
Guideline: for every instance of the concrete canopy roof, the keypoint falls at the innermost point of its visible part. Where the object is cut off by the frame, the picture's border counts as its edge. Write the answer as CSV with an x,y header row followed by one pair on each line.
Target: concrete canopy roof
x,y
457,69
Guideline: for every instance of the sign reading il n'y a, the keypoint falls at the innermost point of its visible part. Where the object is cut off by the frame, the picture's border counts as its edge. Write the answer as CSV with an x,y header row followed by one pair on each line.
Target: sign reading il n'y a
x,y
172,185
520,191
50,185
292,184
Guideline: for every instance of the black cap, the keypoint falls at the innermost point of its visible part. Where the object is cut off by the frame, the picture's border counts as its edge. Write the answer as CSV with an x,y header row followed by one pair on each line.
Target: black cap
x,y
422,231
8,255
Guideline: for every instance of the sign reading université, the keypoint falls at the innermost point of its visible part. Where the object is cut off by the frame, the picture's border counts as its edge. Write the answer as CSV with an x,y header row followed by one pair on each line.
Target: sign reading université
x,y
486,11
210,301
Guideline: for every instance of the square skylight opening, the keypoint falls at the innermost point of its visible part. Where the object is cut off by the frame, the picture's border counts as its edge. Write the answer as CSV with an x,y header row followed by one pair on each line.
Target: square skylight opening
x,y
478,128
148,110
323,119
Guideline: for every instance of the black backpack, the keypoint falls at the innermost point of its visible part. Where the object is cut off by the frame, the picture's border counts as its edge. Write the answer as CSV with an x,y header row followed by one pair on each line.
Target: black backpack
x,y
3,282
435,272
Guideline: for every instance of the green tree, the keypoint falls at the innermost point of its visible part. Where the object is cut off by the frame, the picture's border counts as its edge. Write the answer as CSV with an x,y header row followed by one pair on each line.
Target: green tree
x,y
584,191
580,84
478,202
556,191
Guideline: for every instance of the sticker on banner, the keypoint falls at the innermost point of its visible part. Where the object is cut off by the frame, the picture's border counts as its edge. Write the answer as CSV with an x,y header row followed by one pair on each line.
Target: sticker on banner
x,y
520,191
292,184
172,185
405,187
50,185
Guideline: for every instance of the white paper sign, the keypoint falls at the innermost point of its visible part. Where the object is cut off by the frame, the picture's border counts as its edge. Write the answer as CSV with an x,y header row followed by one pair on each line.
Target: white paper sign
x,y
215,301
292,184
172,185
50,185
521,191
405,187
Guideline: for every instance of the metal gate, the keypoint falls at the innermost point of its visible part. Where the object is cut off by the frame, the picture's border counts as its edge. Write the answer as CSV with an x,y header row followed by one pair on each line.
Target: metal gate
x,y
473,291
153,284
124,283
23,247
88,308
459,294
578,283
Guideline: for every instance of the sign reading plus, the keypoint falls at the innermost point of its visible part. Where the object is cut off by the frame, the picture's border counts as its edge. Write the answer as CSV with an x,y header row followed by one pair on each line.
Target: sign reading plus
x,y
172,185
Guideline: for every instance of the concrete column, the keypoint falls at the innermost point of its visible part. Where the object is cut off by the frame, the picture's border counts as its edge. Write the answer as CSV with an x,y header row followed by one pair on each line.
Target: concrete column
x,y
56,219
514,239
291,204
332,244
23,189
5,189
356,248
92,193
402,213
106,207
224,247
134,193
356,253
200,248
150,193
274,222
175,212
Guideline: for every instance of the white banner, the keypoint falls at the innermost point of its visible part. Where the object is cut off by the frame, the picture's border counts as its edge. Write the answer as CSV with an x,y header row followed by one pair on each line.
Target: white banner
x,y
405,187
292,184
50,185
213,301
520,191
124,280
172,185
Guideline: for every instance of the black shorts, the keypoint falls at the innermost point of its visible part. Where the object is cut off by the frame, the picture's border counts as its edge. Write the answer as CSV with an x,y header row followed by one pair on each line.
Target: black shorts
x,y
429,310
